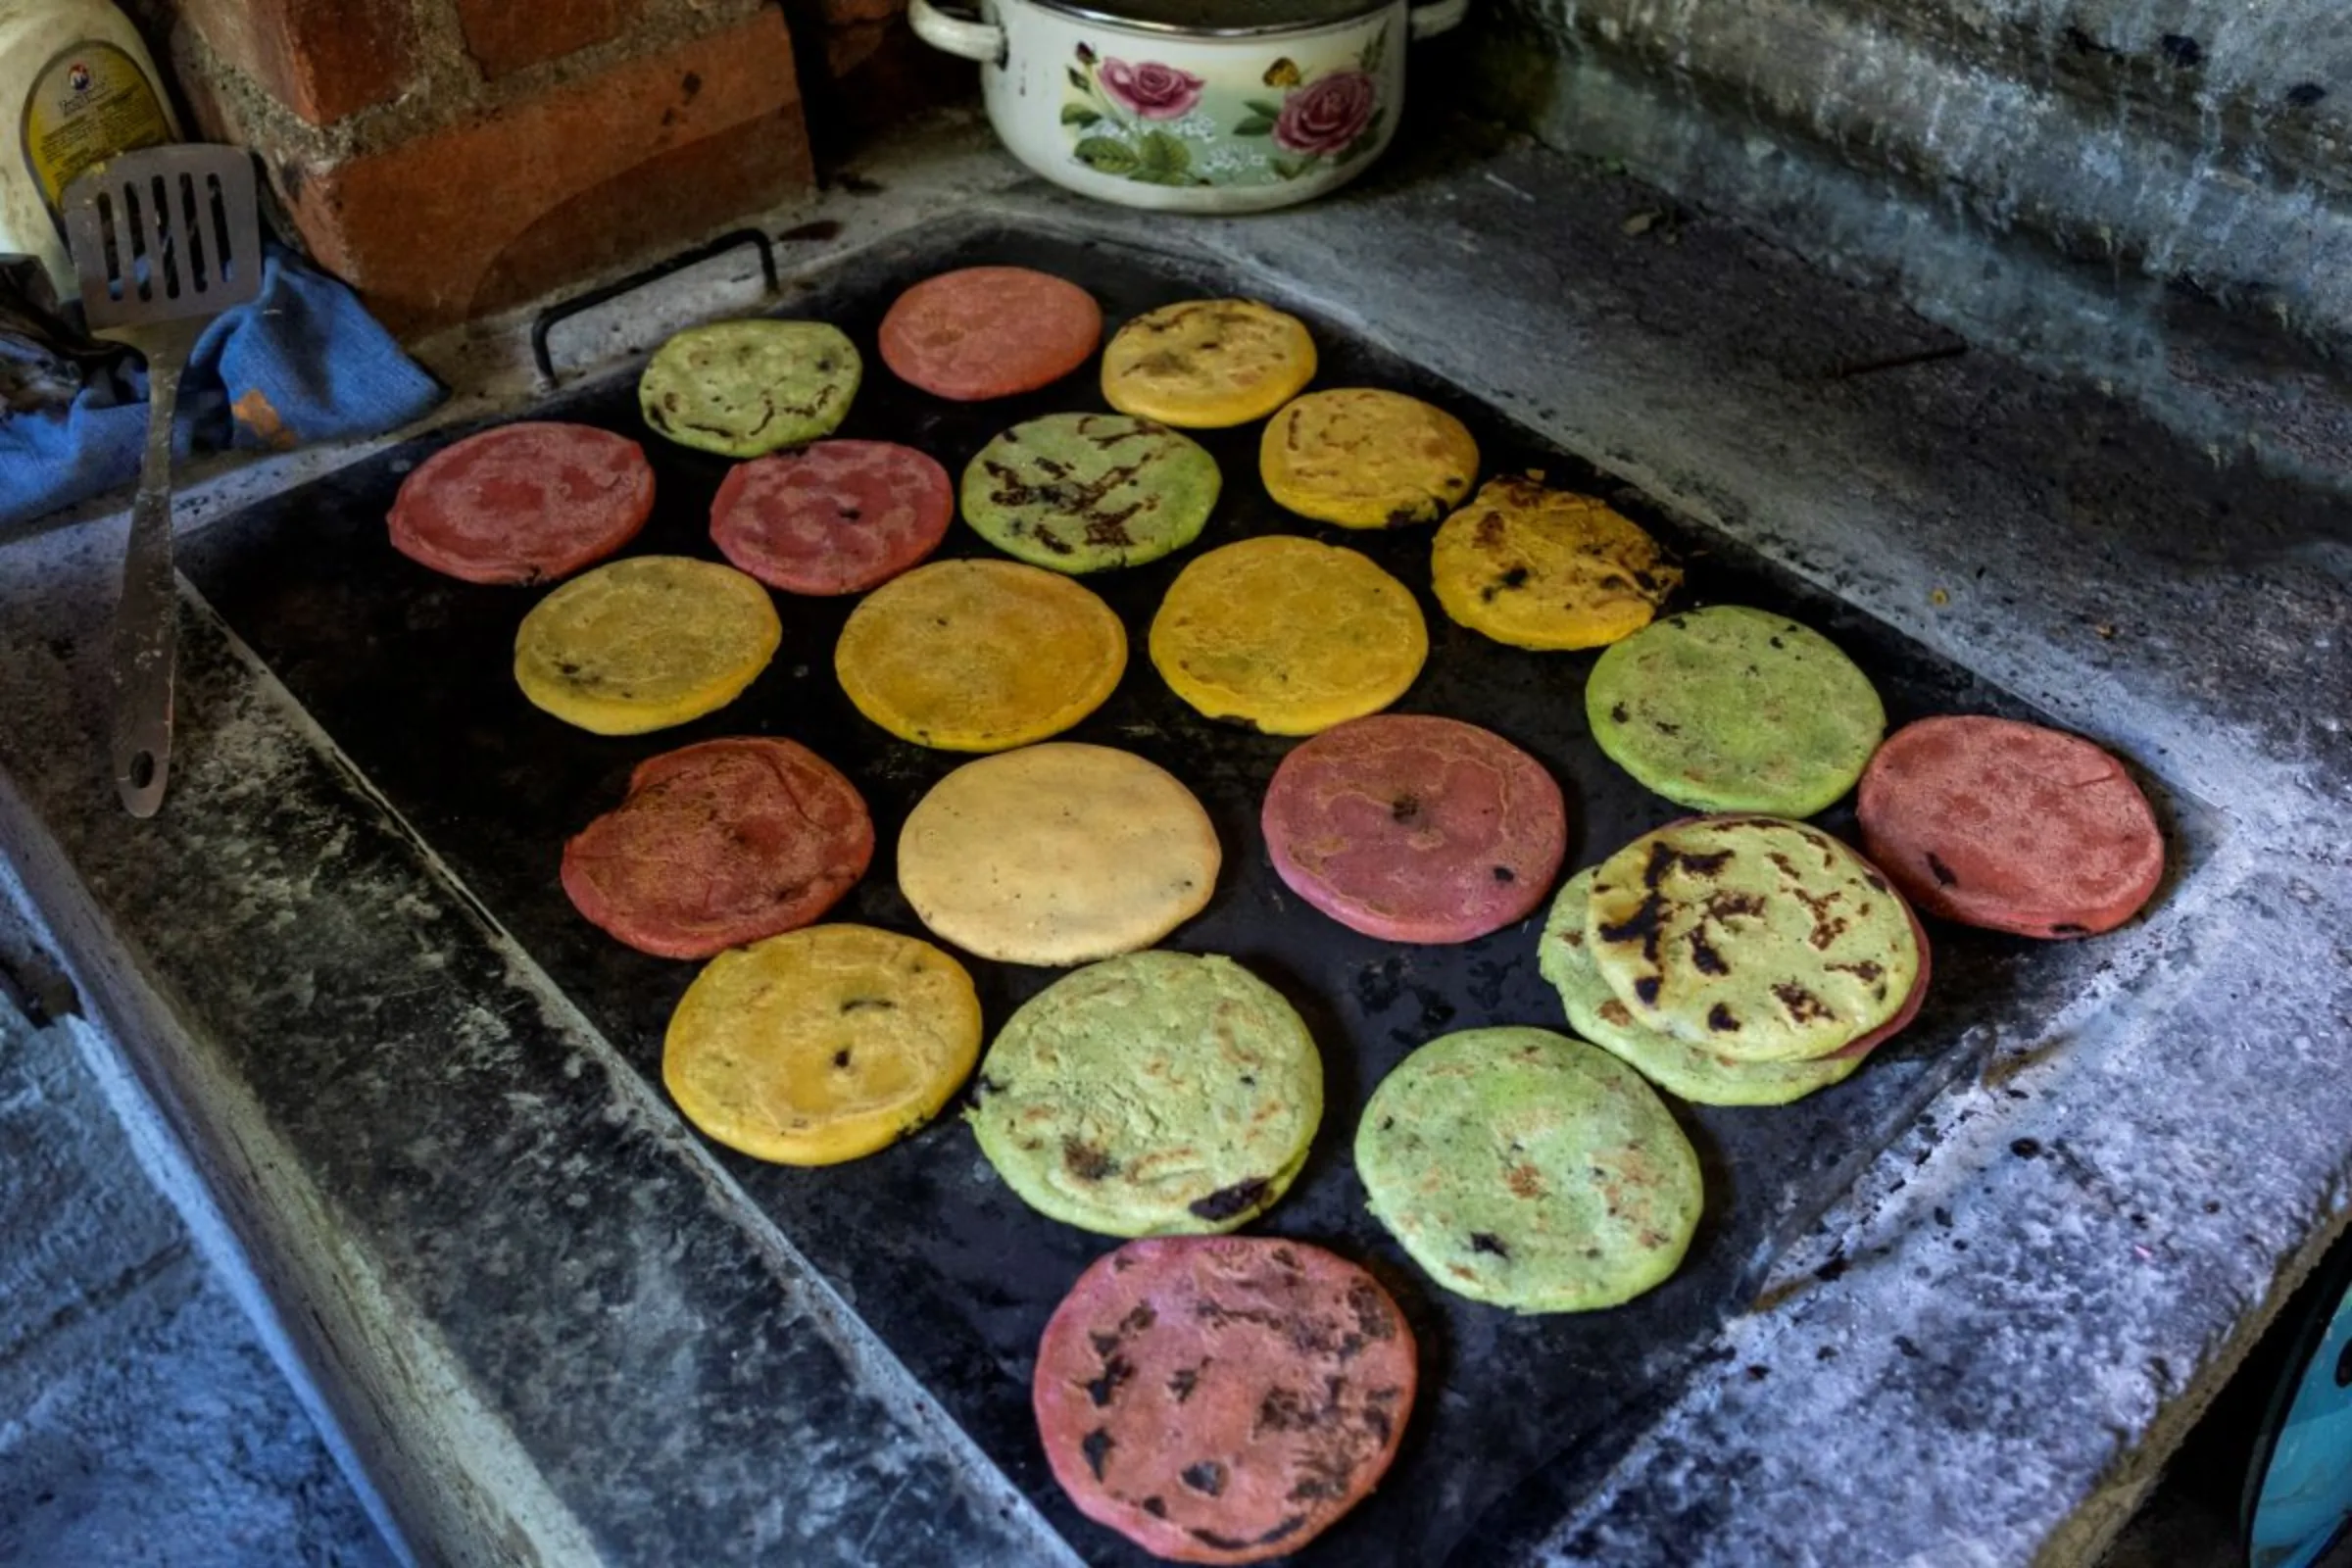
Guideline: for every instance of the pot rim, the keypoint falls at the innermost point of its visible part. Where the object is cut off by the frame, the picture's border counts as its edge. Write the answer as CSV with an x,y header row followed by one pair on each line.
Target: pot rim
x,y
1346,17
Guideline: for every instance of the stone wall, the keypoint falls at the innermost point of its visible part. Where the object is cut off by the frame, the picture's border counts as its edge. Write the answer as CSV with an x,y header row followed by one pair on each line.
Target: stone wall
x,y
2079,179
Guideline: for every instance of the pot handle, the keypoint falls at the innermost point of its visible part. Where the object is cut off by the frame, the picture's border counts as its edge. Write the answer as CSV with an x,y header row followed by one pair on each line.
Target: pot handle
x,y
984,41
1423,22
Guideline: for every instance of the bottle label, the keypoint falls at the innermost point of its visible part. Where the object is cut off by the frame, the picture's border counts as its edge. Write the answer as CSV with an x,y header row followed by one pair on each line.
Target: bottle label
x,y
89,103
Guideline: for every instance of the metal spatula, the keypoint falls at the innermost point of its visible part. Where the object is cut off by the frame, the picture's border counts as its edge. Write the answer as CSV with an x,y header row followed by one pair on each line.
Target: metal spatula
x,y
163,240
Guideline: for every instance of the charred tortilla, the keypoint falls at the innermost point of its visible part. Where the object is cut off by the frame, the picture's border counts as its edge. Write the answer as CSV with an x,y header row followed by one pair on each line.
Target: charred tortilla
x,y
1157,1094
1222,1399
1529,1170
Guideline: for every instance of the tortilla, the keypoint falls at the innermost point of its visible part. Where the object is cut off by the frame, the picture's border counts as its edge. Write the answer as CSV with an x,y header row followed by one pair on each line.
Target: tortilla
x,y
645,643
1367,459
989,332
1759,939
1158,1094
1547,569
1288,636
1414,828
2010,826
1677,1067
979,656
1529,1170
1733,709
1058,854
1207,365
742,388
1086,492
523,503
836,517
718,845
822,1045
1222,1399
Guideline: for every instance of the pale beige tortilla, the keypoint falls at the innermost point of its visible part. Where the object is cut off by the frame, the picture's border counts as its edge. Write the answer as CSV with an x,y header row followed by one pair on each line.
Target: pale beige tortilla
x,y
1058,854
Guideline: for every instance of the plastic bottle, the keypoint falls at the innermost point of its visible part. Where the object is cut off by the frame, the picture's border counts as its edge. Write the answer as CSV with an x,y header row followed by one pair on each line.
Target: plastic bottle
x,y
76,87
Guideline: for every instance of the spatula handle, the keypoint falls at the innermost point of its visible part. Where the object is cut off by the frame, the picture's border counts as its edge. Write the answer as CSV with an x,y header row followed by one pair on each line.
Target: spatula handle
x,y
146,619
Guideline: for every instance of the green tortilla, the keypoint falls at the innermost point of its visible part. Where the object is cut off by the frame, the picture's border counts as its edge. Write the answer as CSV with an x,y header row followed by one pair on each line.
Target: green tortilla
x,y
1759,939
1733,709
1529,1170
1157,1094
745,388
1694,1072
1085,492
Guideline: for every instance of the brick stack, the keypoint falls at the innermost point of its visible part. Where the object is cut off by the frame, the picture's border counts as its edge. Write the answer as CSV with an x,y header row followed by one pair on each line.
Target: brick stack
x,y
452,158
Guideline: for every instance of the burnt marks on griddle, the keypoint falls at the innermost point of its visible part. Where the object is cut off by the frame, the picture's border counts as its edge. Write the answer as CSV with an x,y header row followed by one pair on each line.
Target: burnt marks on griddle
x,y
1086,1162
1207,1477
1827,927
1723,905
1516,577
1373,1315
1802,1006
1117,1370
1229,1203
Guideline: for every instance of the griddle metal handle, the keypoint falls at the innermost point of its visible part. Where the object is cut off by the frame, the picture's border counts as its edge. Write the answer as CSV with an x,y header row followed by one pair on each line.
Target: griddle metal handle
x,y
563,310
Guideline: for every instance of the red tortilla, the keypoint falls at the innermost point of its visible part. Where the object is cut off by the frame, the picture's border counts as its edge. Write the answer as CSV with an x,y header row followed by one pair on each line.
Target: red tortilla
x,y
990,333
718,845
1222,1398
2010,826
1414,828
836,517
525,502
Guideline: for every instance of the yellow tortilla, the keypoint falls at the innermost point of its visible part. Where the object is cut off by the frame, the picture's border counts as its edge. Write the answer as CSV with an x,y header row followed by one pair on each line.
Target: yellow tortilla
x,y
1547,569
1288,635
979,656
1207,364
1058,854
822,1045
645,643
1367,459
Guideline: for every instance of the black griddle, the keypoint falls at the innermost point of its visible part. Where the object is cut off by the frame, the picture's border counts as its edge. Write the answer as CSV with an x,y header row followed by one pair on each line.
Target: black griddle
x,y
409,673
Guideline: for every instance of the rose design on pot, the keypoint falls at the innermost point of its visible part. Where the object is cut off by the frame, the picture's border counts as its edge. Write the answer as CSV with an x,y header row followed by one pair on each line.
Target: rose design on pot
x,y
1328,115
1156,123
1153,91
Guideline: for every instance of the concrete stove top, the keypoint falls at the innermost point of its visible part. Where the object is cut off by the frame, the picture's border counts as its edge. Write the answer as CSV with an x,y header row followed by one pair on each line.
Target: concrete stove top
x,y
556,1331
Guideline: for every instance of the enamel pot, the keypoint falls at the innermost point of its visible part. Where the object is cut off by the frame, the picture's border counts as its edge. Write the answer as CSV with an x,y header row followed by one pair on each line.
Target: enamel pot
x,y
1197,106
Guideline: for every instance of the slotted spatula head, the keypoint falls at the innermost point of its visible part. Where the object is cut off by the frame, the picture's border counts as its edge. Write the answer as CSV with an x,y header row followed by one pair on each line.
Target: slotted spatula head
x,y
165,234
163,240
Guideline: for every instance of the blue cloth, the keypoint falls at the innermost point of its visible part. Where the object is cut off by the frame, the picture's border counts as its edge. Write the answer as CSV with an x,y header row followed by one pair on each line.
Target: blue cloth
x,y
301,362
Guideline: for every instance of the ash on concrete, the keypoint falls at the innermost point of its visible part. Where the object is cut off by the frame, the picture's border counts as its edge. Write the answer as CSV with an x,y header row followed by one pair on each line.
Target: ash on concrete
x,y
140,1419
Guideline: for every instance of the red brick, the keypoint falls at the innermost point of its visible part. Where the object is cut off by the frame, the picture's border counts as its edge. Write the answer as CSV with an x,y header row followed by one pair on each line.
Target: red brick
x,y
322,59
850,13
505,207
880,73
506,35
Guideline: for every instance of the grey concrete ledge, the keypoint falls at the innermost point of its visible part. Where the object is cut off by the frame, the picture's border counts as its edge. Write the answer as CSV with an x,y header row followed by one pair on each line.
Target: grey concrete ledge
x,y
2012,1336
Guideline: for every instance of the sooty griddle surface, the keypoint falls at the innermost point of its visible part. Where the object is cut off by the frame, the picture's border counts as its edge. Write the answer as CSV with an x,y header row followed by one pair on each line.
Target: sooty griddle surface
x,y
410,672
